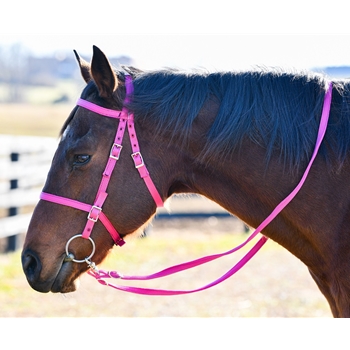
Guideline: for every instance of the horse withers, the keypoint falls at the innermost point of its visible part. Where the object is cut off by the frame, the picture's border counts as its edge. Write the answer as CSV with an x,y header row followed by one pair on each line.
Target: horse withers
x,y
242,139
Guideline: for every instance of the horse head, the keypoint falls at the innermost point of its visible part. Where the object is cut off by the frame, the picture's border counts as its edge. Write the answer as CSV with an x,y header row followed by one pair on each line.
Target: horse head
x,y
75,174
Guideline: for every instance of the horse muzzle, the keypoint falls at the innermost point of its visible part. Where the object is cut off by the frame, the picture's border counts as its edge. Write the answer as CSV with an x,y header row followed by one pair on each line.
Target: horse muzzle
x,y
60,280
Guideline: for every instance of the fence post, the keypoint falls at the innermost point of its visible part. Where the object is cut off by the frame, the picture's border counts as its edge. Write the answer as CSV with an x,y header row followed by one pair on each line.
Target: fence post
x,y
12,211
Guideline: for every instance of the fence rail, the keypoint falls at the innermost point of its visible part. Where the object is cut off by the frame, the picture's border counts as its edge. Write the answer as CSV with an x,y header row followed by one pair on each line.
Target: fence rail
x,y
24,163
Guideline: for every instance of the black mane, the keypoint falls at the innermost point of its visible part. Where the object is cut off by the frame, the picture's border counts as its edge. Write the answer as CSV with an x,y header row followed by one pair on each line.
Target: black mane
x,y
276,109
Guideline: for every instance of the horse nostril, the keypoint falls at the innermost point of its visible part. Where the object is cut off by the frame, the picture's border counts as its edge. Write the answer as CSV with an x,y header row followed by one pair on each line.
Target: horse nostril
x,y
31,265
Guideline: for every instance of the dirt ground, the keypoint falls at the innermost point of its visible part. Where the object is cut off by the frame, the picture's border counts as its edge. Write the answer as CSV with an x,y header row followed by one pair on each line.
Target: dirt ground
x,y
273,284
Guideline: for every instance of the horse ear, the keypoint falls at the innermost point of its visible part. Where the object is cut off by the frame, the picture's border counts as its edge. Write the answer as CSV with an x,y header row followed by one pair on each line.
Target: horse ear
x,y
103,74
84,67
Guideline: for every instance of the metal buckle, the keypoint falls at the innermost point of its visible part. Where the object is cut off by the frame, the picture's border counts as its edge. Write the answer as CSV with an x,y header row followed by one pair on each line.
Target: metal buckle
x,y
90,212
133,157
118,147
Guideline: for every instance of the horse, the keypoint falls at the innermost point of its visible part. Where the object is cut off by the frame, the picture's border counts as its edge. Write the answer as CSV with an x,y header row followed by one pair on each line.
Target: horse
x,y
239,138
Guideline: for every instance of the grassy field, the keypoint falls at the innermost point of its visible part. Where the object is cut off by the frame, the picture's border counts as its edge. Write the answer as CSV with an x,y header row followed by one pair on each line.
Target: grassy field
x,y
273,284
36,120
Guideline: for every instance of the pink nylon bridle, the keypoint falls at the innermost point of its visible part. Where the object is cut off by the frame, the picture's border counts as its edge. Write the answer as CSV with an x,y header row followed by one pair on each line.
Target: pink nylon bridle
x,y
95,210
126,119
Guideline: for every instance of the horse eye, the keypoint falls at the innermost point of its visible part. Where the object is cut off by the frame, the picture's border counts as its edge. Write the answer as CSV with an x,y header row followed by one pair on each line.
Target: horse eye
x,y
81,159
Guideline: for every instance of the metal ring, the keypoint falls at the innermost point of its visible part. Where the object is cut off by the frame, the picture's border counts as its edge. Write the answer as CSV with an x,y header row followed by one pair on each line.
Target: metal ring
x,y
87,258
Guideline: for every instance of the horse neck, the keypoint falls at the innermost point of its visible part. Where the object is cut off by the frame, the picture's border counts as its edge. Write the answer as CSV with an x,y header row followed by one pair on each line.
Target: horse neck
x,y
240,183
248,188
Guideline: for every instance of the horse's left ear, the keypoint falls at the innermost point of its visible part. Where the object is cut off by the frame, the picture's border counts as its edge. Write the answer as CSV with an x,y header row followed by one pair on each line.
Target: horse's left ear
x,y
103,74
84,67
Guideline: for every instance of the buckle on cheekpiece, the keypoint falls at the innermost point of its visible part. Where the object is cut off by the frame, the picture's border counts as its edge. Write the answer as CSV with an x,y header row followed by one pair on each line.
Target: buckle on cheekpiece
x,y
94,213
115,151
138,160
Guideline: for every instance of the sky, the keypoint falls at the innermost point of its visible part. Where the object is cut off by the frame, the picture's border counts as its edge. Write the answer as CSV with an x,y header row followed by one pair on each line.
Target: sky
x,y
220,35
210,51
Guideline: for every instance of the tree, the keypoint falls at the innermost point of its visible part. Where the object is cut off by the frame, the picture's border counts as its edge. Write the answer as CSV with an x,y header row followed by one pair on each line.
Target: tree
x,y
13,63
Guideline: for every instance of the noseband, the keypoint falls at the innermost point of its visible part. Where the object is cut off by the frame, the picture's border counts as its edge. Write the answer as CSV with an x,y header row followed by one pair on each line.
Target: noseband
x,y
95,213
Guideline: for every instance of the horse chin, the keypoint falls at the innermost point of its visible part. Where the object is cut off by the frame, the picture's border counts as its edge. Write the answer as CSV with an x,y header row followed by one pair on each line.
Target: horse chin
x,y
66,280
65,288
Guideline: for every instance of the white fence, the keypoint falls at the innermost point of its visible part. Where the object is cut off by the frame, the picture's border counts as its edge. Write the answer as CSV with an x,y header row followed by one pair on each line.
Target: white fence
x,y
24,164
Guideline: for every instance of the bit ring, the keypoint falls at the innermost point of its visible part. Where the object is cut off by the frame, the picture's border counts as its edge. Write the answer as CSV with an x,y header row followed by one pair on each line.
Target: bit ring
x,y
87,258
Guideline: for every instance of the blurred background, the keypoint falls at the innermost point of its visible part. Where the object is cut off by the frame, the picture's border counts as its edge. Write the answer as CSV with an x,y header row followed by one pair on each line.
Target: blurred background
x,y
39,69
39,84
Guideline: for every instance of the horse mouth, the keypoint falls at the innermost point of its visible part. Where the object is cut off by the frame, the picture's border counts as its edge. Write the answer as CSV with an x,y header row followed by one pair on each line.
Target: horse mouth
x,y
66,279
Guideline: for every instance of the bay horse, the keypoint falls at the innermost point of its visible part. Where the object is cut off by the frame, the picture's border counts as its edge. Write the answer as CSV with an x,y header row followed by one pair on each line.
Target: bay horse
x,y
241,139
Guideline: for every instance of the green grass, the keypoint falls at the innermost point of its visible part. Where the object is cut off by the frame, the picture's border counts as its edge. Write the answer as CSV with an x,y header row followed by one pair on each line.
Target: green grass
x,y
172,249
273,284
167,248
139,255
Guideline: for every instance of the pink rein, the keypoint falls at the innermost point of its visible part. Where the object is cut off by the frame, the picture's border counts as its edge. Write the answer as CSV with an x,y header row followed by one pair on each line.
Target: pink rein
x,y
95,211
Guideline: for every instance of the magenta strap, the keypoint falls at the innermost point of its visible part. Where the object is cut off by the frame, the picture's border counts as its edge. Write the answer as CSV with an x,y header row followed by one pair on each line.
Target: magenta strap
x,y
140,165
102,275
126,120
94,213
111,113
